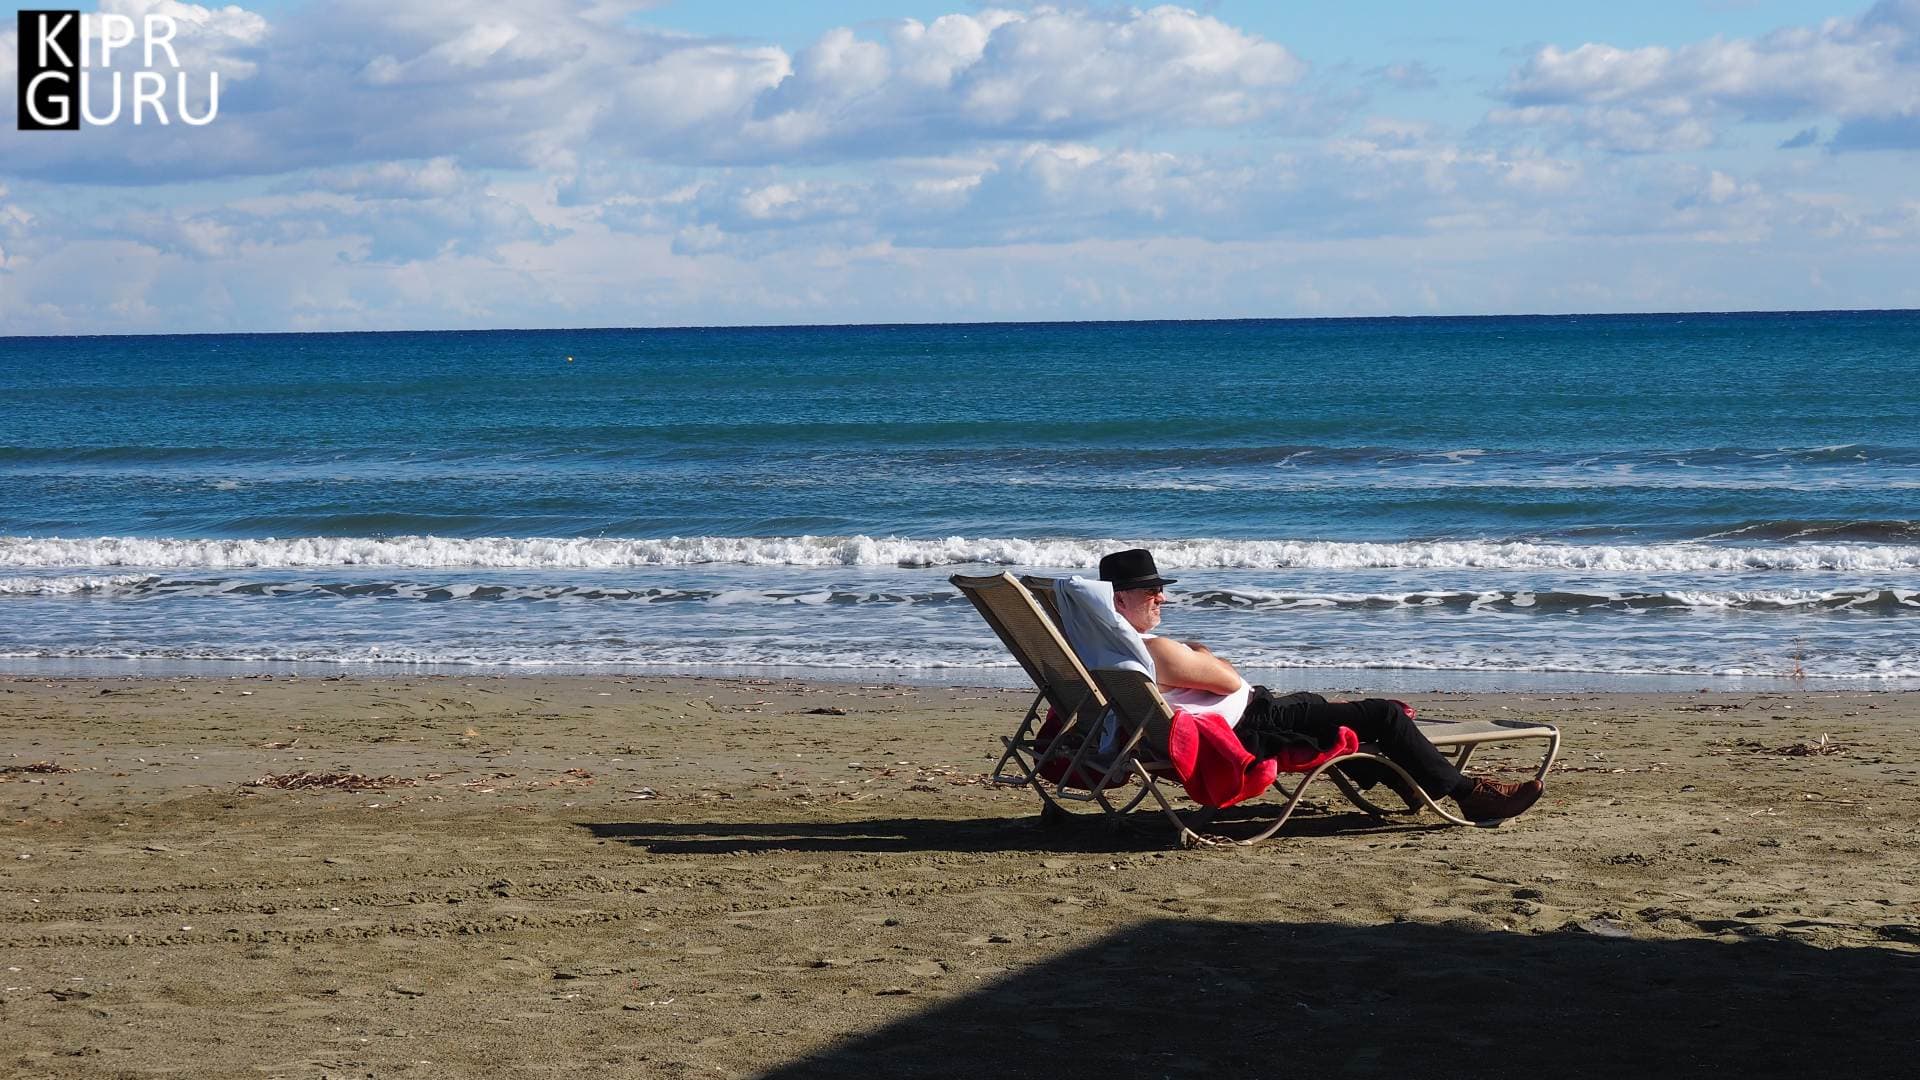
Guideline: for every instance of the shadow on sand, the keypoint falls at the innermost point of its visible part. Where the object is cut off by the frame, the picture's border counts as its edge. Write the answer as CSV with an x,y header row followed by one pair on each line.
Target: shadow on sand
x,y
1140,831
1247,999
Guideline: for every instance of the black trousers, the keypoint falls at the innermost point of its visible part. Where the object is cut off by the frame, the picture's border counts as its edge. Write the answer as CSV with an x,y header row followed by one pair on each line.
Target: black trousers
x,y
1273,723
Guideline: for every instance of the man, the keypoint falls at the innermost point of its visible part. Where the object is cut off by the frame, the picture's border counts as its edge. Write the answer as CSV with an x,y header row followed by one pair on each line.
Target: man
x,y
1191,675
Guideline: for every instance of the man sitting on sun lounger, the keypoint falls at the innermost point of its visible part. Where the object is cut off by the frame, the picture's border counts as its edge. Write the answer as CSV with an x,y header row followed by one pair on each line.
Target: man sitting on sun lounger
x,y
1192,677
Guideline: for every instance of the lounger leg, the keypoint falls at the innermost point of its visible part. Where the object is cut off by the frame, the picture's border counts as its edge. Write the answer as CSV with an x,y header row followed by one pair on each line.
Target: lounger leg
x,y
1553,751
1293,795
1185,836
1292,803
1118,812
1464,753
1358,798
1051,812
1426,801
1013,748
1120,765
1125,763
1540,774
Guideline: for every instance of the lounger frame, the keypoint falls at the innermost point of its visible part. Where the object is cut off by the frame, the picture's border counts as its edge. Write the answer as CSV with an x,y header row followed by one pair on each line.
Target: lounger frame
x,y
1141,708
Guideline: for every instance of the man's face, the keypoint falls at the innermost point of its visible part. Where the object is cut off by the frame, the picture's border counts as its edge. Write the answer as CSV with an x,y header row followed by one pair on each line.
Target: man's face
x,y
1140,607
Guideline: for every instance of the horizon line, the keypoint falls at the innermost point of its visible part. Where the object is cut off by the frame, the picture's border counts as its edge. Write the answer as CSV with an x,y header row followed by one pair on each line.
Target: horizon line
x,y
969,322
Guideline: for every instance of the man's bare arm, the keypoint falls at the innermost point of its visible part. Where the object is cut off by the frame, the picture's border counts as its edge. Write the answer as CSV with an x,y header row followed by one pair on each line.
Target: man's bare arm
x,y
1176,663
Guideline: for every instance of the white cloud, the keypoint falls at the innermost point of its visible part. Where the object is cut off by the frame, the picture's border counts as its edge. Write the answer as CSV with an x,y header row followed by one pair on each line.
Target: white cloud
x,y
1668,125
14,223
541,83
206,38
391,214
1393,178
1408,75
1004,75
193,236
1484,257
546,162
1543,175
434,178
1865,71
399,224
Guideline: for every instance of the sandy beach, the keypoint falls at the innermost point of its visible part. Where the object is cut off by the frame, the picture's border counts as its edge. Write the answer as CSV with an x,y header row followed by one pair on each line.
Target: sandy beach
x,y
525,877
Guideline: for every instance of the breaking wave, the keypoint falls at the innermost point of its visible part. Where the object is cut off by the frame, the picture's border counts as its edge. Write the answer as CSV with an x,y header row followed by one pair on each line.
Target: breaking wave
x,y
1536,601
434,552
1551,602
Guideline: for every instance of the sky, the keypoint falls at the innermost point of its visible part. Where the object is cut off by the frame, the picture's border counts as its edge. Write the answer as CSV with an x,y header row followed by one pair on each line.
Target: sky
x,y
426,164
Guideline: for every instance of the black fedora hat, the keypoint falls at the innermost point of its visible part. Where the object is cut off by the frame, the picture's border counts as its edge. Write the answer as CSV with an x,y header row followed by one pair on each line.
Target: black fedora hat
x,y
1132,569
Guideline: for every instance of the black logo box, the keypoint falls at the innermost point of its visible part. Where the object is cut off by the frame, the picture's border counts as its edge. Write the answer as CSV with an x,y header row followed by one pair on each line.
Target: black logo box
x,y
49,65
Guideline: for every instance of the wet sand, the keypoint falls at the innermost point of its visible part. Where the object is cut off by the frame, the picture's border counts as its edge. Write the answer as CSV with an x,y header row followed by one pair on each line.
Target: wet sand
x,y
733,877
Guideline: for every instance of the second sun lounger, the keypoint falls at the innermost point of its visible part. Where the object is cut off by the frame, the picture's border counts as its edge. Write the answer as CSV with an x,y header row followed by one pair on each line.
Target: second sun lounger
x,y
1059,761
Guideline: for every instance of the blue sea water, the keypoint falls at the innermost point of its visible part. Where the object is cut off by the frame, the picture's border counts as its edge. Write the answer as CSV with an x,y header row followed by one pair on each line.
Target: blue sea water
x,y
1511,501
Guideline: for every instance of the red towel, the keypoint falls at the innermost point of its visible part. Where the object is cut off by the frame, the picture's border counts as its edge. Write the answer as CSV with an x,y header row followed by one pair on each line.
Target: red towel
x,y
1217,771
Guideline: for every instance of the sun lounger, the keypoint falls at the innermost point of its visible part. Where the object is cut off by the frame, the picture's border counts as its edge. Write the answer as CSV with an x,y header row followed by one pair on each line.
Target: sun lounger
x,y
1137,703
1059,760
1042,590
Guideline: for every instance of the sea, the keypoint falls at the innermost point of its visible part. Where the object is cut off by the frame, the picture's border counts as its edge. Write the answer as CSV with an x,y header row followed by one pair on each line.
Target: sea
x,y
1681,501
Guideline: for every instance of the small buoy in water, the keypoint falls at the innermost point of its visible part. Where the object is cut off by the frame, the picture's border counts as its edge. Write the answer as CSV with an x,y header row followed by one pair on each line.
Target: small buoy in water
x,y
569,359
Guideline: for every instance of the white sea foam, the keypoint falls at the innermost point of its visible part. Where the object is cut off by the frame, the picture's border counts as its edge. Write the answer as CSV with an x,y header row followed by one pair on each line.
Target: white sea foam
x,y
433,552
1555,601
1786,598
69,585
1476,482
763,655
1876,672
658,657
